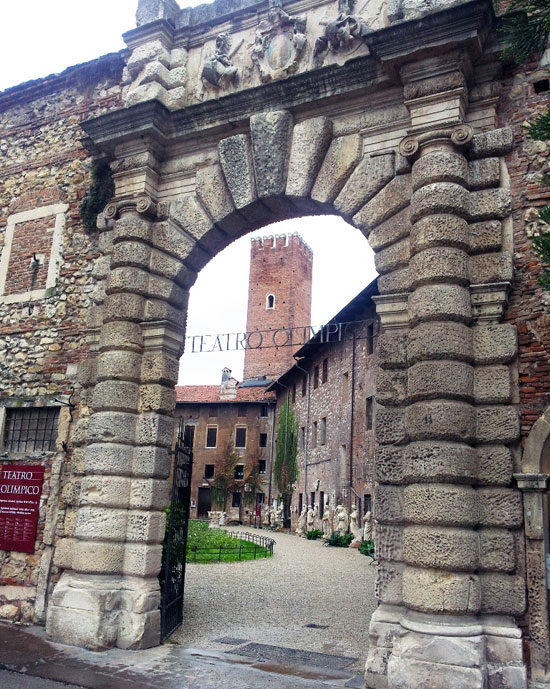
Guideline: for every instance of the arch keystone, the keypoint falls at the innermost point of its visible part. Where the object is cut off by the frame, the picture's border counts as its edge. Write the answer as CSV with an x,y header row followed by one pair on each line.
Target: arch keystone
x,y
310,141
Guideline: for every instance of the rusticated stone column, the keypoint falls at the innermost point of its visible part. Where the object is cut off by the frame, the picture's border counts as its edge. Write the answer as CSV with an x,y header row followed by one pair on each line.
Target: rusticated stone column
x,y
447,539
109,592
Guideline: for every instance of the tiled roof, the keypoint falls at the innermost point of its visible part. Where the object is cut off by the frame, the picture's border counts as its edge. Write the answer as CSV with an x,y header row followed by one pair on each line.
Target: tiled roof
x,y
211,393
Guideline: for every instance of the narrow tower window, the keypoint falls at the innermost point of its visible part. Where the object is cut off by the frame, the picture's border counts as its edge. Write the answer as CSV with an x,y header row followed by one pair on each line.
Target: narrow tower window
x,y
270,301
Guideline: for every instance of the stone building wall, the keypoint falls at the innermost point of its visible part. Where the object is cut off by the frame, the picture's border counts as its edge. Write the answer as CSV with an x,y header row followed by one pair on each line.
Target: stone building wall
x,y
328,463
47,280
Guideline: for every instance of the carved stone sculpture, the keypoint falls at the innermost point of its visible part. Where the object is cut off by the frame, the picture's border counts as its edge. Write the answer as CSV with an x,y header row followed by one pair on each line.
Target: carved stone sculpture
x,y
354,526
218,69
267,516
273,518
325,523
279,517
301,528
223,519
343,521
367,527
278,44
310,518
343,35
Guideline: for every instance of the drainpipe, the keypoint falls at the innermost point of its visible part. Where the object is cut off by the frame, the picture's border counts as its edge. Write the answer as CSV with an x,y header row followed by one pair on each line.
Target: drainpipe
x,y
306,440
351,420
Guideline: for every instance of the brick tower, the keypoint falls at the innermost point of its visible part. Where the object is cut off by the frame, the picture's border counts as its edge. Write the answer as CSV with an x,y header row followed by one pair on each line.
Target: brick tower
x,y
279,296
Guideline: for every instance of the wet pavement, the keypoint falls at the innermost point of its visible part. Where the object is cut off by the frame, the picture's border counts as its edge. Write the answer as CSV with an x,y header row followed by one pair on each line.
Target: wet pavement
x,y
26,654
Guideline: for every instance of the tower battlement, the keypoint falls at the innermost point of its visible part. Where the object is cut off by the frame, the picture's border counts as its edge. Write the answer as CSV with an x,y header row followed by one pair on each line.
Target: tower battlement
x,y
280,241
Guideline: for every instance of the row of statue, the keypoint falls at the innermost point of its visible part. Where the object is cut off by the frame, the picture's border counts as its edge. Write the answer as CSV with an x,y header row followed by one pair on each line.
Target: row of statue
x,y
339,522
279,43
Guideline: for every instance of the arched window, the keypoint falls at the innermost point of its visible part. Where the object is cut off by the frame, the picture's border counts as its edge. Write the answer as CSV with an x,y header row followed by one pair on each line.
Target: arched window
x,y
270,301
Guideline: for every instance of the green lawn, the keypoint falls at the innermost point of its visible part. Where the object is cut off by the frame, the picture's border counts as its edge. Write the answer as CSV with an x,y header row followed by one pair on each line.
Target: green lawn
x,y
205,545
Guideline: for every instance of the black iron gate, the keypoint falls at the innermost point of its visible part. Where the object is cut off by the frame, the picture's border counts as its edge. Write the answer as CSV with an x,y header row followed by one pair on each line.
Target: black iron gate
x,y
172,577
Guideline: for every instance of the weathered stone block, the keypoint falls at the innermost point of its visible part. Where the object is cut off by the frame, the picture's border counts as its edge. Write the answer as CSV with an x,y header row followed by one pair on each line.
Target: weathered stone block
x,y
485,236
97,558
500,507
466,651
127,279
492,385
392,257
235,155
433,590
130,307
495,465
388,504
502,594
142,560
446,340
310,141
388,464
441,264
440,166
157,398
155,429
440,197
109,458
446,505
116,395
440,420
145,527
437,379
161,288
510,677
130,253
439,302
340,160
212,190
84,628
170,238
484,173
497,424
271,134
172,268
149,494
121,335
439,462
151,462
491,268
391,230
100,523
118,365
389,583
496,550
389,542
395,196
368,178
495,344
488,204
391,350
391,387
496,142
396,282
389,426
158,367
138,631
105,491
112,427
502,650
453,549
439,230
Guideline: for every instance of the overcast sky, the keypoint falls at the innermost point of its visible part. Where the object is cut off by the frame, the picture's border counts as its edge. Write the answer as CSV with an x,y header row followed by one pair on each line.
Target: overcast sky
x,y
42,37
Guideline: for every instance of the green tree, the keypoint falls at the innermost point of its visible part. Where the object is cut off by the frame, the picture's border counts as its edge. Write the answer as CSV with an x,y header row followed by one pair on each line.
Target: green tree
x,y
526,27
225,482
285,468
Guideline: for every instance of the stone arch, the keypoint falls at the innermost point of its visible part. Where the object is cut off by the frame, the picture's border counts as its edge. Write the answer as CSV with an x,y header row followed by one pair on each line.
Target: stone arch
x,y
533,482
152,251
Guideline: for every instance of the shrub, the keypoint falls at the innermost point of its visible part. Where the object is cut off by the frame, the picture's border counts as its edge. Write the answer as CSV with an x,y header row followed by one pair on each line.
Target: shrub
x,y
314,534
338,541
367,548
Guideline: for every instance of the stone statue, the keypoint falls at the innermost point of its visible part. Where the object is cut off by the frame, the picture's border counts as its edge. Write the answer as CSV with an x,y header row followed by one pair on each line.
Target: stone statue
x,y
336,517
343,521
273,518
301,528
343,34
279,518
354,526
367,527
223,519
218,70
310,518
325,523
267,516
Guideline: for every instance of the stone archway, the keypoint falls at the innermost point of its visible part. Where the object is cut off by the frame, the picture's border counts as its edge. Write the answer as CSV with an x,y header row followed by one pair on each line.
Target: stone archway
x,y
533,482
449,520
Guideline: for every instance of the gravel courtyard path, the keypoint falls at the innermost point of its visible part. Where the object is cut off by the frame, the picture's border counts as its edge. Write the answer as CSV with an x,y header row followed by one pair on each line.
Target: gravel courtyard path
x,y
269,601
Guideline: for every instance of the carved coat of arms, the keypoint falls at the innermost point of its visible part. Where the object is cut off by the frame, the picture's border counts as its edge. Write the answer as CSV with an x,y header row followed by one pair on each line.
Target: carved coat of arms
x,y
279,43
343,35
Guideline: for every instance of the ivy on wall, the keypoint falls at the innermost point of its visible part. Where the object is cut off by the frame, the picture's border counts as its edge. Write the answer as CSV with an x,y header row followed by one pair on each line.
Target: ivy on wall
x,y
101,191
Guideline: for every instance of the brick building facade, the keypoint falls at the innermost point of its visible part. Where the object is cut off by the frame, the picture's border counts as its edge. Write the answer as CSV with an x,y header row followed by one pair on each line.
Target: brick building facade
x,y
279,297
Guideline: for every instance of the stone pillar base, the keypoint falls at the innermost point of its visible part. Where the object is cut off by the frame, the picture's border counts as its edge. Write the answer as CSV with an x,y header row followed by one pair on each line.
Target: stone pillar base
x,y
430,651
99,612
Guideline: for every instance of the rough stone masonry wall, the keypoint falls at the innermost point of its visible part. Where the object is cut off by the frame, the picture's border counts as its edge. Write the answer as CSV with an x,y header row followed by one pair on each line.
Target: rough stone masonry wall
x,y
44,164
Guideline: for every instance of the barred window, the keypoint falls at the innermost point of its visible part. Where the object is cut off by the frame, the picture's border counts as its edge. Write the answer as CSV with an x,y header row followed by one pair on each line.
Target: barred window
x,y
31,429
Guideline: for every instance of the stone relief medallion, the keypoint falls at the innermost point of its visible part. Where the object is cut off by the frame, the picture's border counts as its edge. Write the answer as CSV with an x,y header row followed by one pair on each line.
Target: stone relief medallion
x,y
342,36
279,43
218,70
